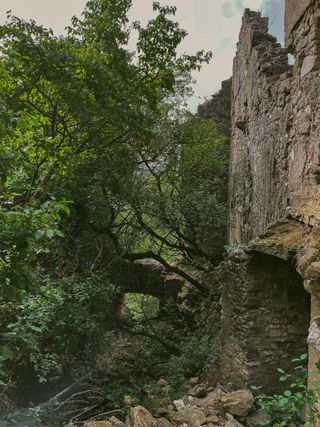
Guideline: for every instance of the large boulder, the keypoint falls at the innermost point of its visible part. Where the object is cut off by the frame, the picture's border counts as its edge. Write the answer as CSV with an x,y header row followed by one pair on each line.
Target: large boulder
x,y
237,403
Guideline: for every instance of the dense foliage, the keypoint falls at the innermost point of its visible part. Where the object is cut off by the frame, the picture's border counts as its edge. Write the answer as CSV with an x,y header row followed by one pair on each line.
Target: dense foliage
x,y
100,165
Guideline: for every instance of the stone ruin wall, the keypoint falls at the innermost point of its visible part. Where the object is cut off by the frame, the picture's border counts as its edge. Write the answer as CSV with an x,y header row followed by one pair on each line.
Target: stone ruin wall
x,y
274,198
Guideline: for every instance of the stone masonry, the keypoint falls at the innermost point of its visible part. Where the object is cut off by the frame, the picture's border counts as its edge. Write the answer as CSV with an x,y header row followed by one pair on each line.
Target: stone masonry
x,y
274,197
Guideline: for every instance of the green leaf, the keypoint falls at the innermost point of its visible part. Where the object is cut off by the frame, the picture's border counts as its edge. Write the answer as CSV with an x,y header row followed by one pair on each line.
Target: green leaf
x,y
65,209
50,233
39,234
287,393
283,401
6,353
35,328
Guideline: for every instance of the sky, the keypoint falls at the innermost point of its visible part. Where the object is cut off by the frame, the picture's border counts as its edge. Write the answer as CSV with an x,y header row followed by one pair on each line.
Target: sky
x,y
211,25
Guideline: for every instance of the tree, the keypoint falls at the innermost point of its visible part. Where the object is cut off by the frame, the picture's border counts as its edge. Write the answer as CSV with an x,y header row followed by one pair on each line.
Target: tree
x,y
169,201
100,166
68,100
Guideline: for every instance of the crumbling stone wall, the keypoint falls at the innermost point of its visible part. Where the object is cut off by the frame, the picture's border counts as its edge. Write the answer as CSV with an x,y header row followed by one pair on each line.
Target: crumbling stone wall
x,y
261,119
275,150
219,108
274,193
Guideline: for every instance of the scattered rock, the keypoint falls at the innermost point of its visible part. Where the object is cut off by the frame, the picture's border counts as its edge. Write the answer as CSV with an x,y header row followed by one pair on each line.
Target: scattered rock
x,y
162,411
191,400
163,383
163,422
193,381
232,422
166,389
140,417
212,375
212,419
257,419
190,415
179,404
200,390
117,423
237,403
128,401
98,424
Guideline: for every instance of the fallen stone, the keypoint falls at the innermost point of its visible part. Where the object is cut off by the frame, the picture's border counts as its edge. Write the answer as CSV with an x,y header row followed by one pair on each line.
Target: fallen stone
x,y
200,390
128,401
212,419
179,404
257,419
163,422
193,381
98,424
237,403
163,383
191,400
232,422
117,423
162,411
191,415
140,417
209,403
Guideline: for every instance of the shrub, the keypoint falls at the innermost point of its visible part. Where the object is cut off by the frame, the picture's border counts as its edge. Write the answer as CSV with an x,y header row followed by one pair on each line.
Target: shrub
x,y
48,329
297,405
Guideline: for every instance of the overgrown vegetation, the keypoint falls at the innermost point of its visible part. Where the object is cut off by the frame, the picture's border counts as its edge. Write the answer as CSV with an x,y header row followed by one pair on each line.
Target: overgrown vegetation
x,y
298,403
101,165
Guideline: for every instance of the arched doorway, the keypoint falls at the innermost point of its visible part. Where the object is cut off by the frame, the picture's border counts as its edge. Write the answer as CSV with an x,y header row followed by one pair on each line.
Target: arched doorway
x,y
265,319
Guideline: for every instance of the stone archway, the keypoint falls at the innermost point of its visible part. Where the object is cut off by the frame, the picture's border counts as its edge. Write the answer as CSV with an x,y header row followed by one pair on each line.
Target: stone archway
x,y
265,318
